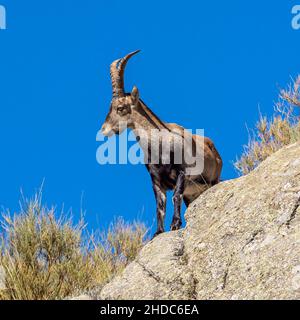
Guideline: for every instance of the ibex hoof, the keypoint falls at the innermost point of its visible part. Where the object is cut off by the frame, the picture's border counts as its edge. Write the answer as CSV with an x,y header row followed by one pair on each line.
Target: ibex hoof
x,y
176,225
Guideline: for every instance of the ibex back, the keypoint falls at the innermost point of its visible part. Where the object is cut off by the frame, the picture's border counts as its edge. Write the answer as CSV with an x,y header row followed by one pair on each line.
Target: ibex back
x,y
127,110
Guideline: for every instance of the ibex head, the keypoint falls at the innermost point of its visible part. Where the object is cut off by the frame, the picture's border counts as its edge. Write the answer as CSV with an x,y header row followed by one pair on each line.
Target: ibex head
x,y
119,116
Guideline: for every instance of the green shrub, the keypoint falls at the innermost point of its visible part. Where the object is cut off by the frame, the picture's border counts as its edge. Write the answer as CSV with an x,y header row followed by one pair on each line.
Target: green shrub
x,y
272,134
46,256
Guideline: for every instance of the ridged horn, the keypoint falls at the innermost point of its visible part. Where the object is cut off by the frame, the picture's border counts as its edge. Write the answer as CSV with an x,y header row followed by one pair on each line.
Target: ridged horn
x,y
117,69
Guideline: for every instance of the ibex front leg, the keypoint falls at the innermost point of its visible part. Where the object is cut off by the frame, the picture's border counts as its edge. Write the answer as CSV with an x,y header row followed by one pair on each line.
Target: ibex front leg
x,y
161,200
177,201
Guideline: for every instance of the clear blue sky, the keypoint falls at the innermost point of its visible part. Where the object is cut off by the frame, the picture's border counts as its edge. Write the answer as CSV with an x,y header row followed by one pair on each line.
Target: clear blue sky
x,y
204,64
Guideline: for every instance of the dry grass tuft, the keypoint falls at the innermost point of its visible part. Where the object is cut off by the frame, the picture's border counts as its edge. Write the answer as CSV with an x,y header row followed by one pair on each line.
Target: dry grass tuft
x,y
272,134
45,256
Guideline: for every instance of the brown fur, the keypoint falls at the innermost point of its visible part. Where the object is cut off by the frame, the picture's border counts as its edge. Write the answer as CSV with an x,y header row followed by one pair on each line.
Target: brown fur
x,y
129,109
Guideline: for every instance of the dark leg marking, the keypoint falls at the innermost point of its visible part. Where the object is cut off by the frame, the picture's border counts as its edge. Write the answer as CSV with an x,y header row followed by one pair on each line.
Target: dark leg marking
x,y
161,200
177,201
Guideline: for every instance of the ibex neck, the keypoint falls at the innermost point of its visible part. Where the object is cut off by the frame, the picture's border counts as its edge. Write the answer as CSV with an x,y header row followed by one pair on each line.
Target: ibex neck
x,y
146,119
146,125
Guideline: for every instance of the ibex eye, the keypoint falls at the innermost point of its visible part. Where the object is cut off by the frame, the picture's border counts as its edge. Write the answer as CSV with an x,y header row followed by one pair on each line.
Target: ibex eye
x,y
122,110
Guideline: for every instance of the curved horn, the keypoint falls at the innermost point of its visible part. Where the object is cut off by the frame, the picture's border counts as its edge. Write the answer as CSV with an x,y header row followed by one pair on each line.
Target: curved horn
x,y
117,69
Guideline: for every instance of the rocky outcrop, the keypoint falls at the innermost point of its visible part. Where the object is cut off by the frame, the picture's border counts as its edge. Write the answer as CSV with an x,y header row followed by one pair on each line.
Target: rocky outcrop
x,y
241,241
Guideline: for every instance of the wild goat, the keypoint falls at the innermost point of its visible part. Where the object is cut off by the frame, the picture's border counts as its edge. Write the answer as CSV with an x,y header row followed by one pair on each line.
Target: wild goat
x,y
127,110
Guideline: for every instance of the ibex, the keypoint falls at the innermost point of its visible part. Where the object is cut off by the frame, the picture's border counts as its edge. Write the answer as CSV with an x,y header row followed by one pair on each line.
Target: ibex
x,y
127,110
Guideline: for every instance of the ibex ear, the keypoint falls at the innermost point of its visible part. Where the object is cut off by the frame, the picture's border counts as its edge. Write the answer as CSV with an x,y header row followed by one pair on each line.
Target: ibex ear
x,y
135,94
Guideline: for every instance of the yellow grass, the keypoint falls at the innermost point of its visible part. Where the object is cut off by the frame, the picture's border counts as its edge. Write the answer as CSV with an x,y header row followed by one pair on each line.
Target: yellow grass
x,y
272,134
46,256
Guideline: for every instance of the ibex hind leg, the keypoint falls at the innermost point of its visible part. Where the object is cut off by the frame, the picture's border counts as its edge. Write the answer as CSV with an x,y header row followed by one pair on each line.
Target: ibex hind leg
x,y
187,201
193,191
